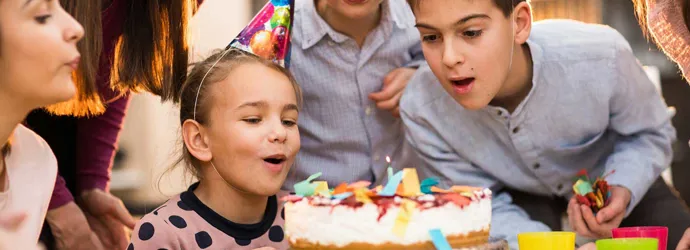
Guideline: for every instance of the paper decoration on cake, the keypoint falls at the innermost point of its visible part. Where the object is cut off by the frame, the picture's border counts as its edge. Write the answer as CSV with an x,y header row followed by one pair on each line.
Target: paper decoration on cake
x,y
341,188
392,185
361,196
594,195
427,184
439,240
359,184
342,196
411,183
268,33
458,199
438,190
403,187
403,218
305,187
322,188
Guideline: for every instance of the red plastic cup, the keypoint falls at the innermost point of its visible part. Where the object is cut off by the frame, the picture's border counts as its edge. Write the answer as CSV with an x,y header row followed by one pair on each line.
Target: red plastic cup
x,y
660,233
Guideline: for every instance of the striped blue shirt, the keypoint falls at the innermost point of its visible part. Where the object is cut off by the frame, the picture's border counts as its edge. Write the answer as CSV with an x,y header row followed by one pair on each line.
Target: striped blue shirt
x,y
343,134
591,107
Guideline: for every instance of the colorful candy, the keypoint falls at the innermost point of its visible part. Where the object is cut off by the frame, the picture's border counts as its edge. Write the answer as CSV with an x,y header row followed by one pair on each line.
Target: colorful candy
x,y
594,195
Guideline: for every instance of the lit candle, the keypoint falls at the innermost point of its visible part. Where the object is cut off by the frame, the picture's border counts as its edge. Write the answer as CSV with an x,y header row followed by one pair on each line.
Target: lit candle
x,y
390,168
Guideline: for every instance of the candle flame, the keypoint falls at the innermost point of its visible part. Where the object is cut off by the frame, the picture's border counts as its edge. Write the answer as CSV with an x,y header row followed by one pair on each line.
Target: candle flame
x,y
388,159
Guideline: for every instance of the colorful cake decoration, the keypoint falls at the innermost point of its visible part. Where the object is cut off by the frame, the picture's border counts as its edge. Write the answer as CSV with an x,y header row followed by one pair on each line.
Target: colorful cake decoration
x,y
403,188
392,186
305,187
594,195
404,183
268,33
411,183
439,240
403,218
342,196
321,188
427,185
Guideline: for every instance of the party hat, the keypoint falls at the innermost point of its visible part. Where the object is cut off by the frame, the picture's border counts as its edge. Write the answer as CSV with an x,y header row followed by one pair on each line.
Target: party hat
x,y
268,34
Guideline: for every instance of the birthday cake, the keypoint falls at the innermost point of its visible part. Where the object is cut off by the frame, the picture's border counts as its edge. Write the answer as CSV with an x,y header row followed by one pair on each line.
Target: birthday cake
x,y
405,214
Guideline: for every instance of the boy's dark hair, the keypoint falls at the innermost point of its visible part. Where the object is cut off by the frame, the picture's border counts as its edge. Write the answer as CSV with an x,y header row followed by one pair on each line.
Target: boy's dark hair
x,y
506,6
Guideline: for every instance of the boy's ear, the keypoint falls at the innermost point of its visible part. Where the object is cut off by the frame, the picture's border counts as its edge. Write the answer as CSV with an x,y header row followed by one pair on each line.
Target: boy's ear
x,y
522,21
195,140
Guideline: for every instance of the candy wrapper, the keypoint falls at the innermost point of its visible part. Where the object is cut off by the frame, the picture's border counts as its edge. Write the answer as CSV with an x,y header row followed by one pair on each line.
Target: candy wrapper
x,y
595,195
268,33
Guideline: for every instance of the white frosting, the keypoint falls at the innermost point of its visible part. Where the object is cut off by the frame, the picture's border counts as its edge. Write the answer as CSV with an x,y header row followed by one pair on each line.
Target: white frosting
x,y
341,225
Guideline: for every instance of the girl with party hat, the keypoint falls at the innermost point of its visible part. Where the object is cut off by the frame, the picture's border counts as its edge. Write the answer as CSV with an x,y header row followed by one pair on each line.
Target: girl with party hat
x,y
238,114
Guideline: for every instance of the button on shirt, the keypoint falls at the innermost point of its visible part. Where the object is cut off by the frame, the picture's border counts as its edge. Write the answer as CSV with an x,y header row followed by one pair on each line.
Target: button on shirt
x,y
591,107
343,134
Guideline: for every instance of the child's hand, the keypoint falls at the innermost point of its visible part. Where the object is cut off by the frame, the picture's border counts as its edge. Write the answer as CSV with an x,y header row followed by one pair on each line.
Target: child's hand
x,y
684,243
584,223
393,85
588,246
264,248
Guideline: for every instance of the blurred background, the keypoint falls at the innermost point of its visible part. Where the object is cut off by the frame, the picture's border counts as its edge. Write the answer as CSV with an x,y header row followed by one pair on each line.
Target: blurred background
x,y
139,174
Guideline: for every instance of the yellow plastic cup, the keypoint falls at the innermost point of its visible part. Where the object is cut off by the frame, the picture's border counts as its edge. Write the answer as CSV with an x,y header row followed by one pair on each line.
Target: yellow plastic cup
x,y
628,244
547,241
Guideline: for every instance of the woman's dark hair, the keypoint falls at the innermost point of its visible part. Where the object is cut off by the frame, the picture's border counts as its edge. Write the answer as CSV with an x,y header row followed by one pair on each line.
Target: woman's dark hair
x,y
188,100
151,55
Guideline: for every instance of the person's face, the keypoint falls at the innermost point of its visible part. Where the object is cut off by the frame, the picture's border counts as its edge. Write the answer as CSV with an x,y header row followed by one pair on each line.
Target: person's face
x,y
353,9
468,45
38,51
252,130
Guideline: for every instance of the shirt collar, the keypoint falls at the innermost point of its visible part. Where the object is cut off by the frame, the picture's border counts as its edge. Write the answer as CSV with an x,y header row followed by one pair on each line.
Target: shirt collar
x,y
536,53
314,28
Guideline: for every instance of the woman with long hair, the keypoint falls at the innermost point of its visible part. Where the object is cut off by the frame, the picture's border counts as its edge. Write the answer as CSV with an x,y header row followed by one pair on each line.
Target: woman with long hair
x,y
129,45
666,22
38,55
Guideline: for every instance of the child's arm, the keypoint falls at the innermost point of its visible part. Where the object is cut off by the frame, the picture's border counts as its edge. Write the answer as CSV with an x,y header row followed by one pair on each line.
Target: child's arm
x,y
394,82
151,232
640,116
508,220
441,161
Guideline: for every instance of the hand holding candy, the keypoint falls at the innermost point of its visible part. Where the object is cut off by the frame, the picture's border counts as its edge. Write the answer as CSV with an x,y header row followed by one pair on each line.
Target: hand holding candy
x,y
586,224
593,195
